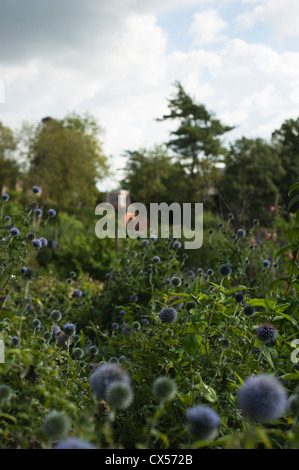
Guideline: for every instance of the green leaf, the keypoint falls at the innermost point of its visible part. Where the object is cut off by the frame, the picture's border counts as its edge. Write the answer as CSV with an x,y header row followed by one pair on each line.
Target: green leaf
x,y
293,187
293,235
190,343
293,201
272,356
284,250
278,281
257,302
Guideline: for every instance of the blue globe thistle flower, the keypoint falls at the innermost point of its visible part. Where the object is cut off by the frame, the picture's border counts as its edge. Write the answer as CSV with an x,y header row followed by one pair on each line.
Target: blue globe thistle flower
x,y
133,298
168,315
44,241
177,245
249,310
5,197
55,425
15,341
47,335
145,242
77,293
38,212
14,231
241,233
225,270
119,395
267,334
23,270
7,218
262,398
35,189
37,243
153,238
156,259
69,329
202,422
104,376
164,388
239,297
230,216
56,330
74,443
51,212
266,263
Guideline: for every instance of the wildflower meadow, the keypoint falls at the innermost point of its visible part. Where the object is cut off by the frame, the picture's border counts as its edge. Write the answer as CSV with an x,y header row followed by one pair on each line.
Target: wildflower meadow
x,y
172,350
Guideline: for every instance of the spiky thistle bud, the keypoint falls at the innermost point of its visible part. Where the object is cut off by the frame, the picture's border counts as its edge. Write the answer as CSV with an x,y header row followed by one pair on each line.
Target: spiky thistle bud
x,y
164,388
168,315
202,422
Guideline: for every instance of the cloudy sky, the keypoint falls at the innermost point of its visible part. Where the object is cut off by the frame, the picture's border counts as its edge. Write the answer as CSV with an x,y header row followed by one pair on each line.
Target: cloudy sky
x,y
119,59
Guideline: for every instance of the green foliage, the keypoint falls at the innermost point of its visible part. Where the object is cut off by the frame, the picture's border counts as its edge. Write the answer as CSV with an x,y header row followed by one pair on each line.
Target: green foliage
x,y
68,153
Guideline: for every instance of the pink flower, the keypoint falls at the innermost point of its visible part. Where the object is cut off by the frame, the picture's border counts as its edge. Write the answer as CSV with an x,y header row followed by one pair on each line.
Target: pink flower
x,y
268,236
274,235
291,255
272,208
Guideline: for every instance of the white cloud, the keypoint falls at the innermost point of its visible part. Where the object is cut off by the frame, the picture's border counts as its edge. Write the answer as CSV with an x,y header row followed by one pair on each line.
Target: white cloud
x,y
281,16
207,27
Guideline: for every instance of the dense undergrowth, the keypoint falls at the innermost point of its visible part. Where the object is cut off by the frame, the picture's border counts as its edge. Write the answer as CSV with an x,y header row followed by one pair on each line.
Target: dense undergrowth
x,y
159,355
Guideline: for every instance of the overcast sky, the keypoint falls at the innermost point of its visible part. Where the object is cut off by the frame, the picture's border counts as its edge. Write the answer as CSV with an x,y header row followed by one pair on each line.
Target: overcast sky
x,y
119,59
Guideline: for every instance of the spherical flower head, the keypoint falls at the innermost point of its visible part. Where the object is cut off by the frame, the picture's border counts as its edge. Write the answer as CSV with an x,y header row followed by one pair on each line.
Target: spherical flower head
x,y
189,305
77,293
15,341
241,233
164,388
230,216
14,231
239,297
5,393
38,212
211,231
177,245
255,222
202,422
23,270
43,241
199,271
55,425
262,398
47,335
168,315
145,242
36,323
104,376
5,197
210,272
73,443
93,350
119,395
156,259
69,329
37,243
225,270
176,281
133,298
267,334
35,189
30,236
78,353
249,310
51,212
7,218
55,315
266,263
